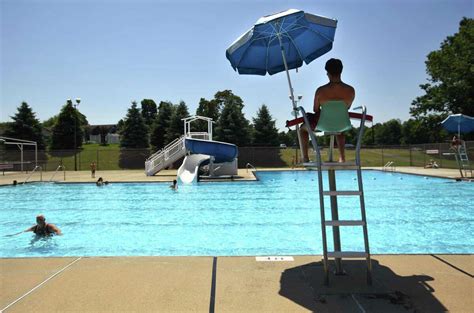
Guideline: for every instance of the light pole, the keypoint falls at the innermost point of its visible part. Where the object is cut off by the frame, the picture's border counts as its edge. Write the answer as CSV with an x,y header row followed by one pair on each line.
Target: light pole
x,y
78,100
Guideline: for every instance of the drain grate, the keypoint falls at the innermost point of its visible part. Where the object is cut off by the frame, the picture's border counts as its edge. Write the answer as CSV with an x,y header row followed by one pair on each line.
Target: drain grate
x,y
274,259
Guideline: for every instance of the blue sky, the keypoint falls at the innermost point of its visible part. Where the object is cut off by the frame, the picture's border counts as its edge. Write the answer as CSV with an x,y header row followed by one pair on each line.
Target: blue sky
x,y
109,53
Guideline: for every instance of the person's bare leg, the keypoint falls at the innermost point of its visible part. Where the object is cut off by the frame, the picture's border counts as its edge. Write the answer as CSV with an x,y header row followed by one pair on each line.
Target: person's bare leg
x,y
341,141
304,143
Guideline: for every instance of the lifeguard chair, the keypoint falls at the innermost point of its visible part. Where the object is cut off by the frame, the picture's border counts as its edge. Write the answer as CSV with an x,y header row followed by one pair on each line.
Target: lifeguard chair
x,y
334,120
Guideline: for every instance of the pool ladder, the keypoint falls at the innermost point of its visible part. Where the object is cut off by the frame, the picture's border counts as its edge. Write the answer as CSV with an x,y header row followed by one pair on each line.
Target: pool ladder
x,y
390,166
333,193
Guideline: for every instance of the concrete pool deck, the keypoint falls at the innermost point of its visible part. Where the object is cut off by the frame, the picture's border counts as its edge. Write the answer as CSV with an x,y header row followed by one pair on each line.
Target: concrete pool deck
x,y
169,175
402,283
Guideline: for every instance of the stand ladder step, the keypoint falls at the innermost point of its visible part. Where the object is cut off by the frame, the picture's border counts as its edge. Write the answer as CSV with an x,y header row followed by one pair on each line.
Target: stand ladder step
x,y
347,254
344,223
342,193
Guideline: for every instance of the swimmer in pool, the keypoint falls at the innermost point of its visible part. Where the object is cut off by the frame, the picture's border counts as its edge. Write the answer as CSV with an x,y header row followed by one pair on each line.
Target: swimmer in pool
x,y
42,228
174,186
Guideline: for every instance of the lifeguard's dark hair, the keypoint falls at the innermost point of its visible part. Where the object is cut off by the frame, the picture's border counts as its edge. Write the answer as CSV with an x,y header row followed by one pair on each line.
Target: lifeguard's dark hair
x,y
334,66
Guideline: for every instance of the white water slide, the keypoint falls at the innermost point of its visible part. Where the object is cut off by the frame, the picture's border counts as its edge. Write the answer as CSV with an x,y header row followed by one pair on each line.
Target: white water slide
x,y
188,171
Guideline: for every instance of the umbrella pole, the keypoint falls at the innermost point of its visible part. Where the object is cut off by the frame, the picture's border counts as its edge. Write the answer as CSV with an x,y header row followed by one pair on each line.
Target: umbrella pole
x,y
292,96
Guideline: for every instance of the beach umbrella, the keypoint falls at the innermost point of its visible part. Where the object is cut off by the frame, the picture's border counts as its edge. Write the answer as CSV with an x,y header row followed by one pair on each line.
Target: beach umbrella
x,y
459,123
280,42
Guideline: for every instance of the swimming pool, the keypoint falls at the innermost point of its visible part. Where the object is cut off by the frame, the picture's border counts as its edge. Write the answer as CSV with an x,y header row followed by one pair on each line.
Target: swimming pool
x,y
277,215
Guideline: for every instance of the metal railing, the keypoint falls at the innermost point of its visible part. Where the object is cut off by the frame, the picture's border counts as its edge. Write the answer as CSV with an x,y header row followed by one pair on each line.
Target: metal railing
x,y
57,169
33,171
198,135
390,166
248,165
165,156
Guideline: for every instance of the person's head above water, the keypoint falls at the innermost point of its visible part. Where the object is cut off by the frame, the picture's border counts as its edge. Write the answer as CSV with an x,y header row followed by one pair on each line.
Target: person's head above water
x,y
334,68
40,219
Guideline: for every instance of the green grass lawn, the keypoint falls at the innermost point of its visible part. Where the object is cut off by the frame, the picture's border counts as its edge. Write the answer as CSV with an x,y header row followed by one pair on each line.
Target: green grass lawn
x,y
106,158
379,157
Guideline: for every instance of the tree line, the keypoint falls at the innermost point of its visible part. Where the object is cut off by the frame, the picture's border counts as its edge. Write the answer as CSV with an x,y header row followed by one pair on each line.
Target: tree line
x,y
450,89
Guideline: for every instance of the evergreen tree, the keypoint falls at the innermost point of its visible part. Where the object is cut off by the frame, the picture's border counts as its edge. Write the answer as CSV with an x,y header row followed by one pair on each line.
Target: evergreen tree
x,y
63,130
134,133
149,111
25,126
265,134
232,125
160,126
176,127
288,138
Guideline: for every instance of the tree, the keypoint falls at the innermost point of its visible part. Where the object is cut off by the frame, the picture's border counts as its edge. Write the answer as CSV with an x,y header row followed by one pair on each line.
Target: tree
x,y
451,83
149,111
25,126
135,132
388,133
63,130
266,133
209,109
49,123
176,126
288,138
414,132
120,125
161,124
232,125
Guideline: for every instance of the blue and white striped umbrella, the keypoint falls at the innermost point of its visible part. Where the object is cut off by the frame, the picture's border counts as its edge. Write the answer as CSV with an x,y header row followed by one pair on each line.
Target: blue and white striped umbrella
x,y
302,37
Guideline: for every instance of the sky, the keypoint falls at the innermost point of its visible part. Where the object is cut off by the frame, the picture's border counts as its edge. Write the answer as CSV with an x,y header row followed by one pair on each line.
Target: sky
x,y
111,52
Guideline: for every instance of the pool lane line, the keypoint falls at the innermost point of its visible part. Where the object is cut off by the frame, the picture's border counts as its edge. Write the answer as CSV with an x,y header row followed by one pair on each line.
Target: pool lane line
x,y
42,283
361,308
453,266
213,286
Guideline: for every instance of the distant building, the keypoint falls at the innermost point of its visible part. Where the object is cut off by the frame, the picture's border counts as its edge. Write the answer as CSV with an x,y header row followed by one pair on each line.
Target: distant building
x,y
103,134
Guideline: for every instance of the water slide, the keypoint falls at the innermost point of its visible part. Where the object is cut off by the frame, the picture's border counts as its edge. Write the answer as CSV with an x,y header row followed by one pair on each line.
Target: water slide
x,y
202,151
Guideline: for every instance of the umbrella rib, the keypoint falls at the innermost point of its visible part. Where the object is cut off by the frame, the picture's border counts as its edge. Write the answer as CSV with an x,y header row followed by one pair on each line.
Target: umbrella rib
x,y
296,47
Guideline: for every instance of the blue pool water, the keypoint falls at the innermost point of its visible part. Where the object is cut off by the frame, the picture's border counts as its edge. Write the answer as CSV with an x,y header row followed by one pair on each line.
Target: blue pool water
x,y
277,215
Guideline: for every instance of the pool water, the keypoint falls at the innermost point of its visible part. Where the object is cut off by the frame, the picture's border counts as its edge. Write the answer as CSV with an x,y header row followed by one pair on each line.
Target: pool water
x,y
276,215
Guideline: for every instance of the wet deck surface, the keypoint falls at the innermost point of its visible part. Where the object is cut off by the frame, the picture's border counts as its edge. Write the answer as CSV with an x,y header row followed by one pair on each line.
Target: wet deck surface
x,y
401,283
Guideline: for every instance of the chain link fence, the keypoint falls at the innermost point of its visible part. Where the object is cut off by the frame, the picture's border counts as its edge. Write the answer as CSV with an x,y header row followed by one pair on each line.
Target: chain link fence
x,y
117,159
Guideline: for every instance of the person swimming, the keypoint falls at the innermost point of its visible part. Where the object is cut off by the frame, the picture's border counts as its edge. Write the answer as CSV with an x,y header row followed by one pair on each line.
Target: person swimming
x,y
42,228
174,186
101,182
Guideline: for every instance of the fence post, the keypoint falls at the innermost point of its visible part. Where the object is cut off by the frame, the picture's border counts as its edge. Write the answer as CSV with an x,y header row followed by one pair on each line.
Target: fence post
x,y
383,162
97,157
80,160
440,155
424,154
411,160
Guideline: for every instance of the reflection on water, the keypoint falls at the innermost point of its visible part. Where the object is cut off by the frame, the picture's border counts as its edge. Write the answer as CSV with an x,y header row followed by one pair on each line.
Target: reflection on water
x,y
42,244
